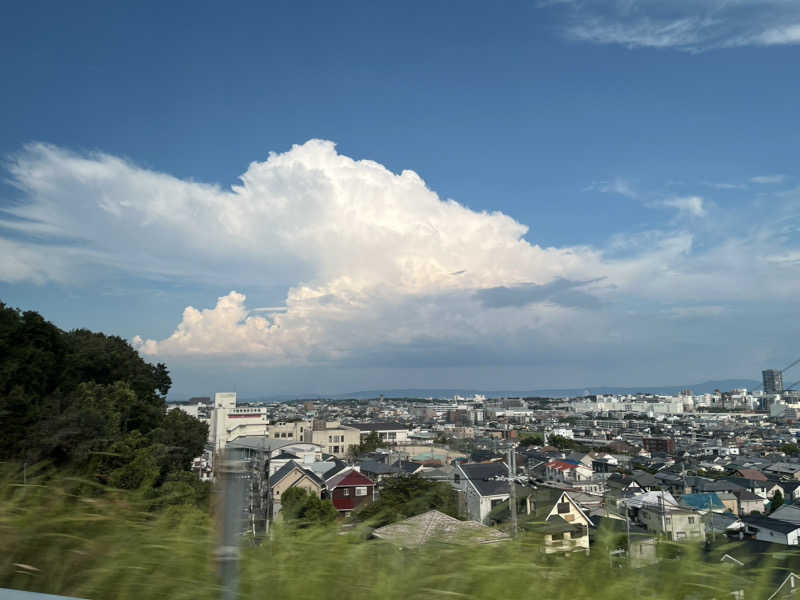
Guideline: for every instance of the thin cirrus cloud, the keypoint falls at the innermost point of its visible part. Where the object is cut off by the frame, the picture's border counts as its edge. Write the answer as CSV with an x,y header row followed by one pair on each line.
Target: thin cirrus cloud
x,y
370,259
768,179
686,25
617,186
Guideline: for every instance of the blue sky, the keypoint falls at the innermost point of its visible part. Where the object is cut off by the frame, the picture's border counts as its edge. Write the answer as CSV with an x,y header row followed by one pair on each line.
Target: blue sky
x,y
624,177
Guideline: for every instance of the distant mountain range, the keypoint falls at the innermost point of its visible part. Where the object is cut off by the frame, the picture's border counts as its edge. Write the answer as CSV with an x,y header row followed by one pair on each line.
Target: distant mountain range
x,y
698,388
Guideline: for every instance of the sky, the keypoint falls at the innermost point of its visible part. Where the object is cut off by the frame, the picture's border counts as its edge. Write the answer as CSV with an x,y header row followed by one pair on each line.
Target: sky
x,y
317,197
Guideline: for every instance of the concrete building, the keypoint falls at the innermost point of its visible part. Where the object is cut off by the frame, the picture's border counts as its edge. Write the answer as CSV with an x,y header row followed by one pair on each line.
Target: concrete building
x,y
335,438
772,380
228,421
389,433
665,445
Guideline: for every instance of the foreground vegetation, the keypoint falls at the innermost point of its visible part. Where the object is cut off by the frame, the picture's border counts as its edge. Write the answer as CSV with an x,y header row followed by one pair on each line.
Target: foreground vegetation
x,y
55,539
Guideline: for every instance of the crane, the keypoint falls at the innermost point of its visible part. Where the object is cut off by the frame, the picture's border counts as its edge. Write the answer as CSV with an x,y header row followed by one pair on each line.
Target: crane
x,y
791,364
776,378
791,386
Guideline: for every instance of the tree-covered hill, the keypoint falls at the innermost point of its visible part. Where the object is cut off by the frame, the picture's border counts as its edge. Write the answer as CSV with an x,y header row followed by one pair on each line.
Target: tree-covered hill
x,y
88,404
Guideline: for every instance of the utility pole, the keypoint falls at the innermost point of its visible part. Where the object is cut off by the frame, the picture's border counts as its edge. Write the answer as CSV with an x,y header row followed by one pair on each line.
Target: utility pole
x,y
711,520
628,534
233,479
512,489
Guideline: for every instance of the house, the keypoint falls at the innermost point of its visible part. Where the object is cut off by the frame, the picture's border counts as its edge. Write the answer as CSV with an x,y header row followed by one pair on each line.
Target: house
x,y
759,488
751,474
788,513
791,471
604,463
562,523
292,475
582,458
350,489
730,502
660,513
568,471
773,487
724,523
436,526
791,490
702,503
767,529
408,467
618,536
646,480
378,471
622,486
483,487
674,482
749,503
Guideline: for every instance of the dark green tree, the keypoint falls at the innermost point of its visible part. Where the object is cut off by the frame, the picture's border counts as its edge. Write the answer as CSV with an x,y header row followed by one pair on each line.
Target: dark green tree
x,y
183,436
776,502
302,508
531,439
88,404
403,497
369,444
790,449
561,442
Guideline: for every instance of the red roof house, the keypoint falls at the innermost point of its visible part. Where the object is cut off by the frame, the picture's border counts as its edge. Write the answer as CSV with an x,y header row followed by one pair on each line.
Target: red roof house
x,y
349,490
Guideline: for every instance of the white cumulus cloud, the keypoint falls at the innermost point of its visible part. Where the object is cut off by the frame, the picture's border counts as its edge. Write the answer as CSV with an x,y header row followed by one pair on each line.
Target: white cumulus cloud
x,y
374,263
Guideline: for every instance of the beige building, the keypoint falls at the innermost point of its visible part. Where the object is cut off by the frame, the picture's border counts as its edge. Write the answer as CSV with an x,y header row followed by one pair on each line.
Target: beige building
x,y
292,475
335,438
288,430
677,524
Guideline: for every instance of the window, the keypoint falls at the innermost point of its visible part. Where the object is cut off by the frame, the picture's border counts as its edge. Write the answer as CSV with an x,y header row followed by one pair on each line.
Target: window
x,y
563,507
361,491
691,520
346,492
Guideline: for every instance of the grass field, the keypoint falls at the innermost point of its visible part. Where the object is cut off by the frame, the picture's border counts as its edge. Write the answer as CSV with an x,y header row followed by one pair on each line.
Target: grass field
x,y
69,537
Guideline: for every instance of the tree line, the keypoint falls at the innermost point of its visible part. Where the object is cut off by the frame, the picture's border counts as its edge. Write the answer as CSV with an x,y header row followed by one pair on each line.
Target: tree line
x,y
86,403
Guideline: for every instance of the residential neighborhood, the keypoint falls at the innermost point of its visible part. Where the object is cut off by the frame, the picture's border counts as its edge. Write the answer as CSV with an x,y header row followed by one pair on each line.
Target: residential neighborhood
x,y
645,470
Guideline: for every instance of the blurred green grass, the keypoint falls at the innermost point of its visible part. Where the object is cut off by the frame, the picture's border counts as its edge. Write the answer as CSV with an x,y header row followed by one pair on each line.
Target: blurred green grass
x,y
56,538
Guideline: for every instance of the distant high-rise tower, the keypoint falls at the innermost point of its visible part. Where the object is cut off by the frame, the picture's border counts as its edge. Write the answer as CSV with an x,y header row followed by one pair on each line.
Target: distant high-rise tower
x,y
773,381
